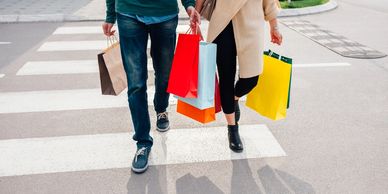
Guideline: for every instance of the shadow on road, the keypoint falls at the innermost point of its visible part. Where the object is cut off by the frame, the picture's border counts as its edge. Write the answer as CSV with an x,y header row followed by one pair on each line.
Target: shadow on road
x,y
276,181
243,180
273,181
189,184
154,180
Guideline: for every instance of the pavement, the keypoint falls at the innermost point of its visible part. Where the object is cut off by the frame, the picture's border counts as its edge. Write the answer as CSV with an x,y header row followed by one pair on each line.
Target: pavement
x,y
59,135
94,10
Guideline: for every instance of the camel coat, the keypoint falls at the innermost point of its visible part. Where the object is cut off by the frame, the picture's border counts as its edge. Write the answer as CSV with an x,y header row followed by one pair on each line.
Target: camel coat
x,y
248,18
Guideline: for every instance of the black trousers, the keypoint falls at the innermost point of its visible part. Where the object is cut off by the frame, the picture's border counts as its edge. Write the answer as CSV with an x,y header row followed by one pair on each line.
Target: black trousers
x,y
226,65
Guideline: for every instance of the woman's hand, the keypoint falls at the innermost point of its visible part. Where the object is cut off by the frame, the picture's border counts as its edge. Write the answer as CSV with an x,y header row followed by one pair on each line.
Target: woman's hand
x,y
107,28
276,36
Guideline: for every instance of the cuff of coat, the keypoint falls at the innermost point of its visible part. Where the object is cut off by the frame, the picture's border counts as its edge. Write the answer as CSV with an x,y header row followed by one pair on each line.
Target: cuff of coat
x,y
271,15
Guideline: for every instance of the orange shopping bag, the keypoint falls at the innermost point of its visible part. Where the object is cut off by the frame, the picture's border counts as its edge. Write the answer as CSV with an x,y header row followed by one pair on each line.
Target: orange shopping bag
x,y
203,116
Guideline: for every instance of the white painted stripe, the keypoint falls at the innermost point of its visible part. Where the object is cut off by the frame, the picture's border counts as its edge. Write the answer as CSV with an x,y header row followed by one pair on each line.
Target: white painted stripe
x,y
182,28
5,42
91,66
64,67
60,100
108,151
307,65
2,75
79,30
75,45
58,67
322,65
66,30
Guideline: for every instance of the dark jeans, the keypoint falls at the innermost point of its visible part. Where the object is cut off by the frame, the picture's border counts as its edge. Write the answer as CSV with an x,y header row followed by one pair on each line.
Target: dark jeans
x,y
133,43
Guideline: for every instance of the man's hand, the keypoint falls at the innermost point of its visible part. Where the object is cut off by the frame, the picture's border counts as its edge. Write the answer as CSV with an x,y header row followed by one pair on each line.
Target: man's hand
x,y
107,28
195,18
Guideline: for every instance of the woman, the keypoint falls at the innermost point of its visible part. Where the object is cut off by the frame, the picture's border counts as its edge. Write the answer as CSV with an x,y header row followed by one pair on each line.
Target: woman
x,y
237,27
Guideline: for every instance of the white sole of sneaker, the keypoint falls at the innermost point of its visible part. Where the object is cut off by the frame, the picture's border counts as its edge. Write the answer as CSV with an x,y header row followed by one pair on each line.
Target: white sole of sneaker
x,y
139,170
163,130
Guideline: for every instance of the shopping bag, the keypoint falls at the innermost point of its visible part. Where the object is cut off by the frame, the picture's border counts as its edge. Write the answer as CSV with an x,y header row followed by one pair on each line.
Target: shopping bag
x,y
217,97
202,116
183,79
205,115
289,61
270,96
206,77
286,60
112,74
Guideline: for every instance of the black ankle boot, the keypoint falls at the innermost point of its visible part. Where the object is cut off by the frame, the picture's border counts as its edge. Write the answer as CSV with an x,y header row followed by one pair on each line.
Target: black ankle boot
x,y
236,111
235,143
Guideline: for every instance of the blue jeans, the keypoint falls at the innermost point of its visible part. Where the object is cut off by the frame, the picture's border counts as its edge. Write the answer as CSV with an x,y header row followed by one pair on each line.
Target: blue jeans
x,y
133,43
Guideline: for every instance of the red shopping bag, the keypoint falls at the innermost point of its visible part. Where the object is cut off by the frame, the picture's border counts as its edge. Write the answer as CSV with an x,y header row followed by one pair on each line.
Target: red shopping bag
x,y
217,97
183,79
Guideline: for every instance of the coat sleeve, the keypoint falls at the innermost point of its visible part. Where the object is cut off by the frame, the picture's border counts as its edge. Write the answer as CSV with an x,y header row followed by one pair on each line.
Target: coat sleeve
x,y
270,9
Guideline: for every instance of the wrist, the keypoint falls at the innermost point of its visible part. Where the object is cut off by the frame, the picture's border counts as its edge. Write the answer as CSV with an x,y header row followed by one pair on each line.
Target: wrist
x,y
275,28
190,8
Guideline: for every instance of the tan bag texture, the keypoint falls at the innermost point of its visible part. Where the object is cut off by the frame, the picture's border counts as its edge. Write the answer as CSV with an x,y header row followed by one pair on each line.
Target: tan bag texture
x,y
112,74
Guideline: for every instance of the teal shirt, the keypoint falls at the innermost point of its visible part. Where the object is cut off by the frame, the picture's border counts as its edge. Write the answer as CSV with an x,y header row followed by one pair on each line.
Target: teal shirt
x,y
147,20
143,7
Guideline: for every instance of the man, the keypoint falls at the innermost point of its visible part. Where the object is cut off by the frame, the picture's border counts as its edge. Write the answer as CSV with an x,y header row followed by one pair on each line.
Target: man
x,y
137,20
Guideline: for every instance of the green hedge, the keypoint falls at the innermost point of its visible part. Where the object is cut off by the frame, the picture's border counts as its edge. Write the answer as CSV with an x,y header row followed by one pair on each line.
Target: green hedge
x,y
301,3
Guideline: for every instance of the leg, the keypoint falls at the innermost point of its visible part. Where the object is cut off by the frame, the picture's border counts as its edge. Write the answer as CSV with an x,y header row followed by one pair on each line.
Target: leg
x,y
163,39
226,65
245,85
133,43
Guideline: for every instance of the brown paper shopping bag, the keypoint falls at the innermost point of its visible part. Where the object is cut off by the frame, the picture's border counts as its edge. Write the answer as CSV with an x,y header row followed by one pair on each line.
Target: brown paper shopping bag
x,y
112,74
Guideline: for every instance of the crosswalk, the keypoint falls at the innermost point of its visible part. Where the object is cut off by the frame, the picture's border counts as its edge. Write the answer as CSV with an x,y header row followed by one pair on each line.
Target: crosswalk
x,y
106,151
29,156
58,154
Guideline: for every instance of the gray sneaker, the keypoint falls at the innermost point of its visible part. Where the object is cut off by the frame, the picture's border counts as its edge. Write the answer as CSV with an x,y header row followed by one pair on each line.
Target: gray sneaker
x,y
140,161
162,123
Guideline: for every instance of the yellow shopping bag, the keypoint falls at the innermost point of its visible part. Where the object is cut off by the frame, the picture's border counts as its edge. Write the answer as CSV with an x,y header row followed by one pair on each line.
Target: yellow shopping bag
x,y
270,96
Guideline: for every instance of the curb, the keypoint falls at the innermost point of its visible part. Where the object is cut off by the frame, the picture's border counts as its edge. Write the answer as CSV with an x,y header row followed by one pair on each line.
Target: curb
x,y
309,10
78,18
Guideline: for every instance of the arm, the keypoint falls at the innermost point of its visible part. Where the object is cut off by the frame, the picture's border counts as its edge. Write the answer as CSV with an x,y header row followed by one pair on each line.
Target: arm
x,y
195,18
110,18
110,11
271,10
276,36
